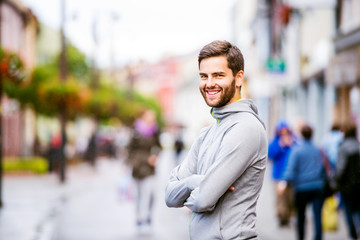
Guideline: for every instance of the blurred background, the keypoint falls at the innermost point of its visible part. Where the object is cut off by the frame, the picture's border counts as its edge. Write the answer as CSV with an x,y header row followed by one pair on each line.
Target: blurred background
x,y
75,75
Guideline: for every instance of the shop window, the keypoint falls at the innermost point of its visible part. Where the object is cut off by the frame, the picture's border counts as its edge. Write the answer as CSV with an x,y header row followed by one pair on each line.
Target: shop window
x,y
350,18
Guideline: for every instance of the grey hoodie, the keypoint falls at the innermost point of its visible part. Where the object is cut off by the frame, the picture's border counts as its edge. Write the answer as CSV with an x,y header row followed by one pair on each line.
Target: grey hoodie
x,y
230,152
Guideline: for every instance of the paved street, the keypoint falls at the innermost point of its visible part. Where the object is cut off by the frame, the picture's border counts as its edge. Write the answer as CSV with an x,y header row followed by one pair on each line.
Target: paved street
x,y
91,206
97,210
268,225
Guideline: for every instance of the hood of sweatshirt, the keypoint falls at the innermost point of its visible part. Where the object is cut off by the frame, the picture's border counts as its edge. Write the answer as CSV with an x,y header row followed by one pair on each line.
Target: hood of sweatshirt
x,y
350,145
244,105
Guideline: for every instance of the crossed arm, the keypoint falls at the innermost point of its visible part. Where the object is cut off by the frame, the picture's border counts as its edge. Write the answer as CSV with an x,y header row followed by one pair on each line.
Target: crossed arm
x,y
200,193
183,179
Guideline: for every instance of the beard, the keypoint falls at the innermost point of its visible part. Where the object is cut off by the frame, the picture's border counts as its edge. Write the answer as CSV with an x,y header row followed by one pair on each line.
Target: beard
x,y
226,94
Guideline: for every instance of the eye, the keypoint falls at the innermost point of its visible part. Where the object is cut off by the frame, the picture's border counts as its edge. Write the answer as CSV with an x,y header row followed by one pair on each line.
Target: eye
x,y
203,77
219,75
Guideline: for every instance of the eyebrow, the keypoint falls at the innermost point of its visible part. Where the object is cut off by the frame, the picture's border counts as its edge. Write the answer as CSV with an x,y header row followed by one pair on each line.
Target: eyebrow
x,y
213,73
220,72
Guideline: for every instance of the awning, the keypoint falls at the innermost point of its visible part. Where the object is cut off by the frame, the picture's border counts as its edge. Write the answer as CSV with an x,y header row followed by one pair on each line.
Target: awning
x,y
347,41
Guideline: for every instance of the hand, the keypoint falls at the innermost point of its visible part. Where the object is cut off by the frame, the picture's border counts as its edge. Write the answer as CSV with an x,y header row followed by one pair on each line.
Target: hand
x,y
152,160
286,140
280,187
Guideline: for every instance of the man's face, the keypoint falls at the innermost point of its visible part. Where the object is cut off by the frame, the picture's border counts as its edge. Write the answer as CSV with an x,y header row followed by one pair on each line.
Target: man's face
x,y
217,84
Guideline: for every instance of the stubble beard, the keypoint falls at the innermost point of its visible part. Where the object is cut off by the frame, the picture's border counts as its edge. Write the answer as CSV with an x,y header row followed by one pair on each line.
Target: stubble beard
x,y
226,95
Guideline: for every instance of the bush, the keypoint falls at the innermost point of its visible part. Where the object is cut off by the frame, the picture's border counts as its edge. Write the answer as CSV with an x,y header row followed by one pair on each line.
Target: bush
x,y
37,165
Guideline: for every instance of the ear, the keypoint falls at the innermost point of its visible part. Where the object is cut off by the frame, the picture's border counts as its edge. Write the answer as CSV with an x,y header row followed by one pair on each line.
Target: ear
x,y
239,78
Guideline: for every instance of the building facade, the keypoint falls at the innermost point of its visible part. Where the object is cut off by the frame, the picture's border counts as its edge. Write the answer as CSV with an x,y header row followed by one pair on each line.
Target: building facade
x,y
19,28
296,54
344,72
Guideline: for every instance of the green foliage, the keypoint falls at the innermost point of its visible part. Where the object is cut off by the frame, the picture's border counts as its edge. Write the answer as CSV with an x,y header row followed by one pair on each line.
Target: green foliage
x,y
56,96
77,65
108,102
48,95
151,103
12,73
28,93
36,165
11,67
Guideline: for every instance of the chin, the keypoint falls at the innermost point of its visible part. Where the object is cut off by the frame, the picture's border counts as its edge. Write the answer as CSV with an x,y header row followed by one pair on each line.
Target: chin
x,y
213,104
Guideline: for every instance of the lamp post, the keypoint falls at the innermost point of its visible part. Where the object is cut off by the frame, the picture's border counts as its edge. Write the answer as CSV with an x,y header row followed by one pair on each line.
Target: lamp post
x,y
1,137
63,114
114,17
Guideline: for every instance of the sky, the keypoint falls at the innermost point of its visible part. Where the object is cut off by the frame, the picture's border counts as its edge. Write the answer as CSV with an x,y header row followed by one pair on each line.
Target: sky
x,y
132,30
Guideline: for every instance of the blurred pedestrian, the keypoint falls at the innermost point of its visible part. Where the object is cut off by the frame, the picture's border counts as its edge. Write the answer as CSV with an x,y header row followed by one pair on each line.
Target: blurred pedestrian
x,y
91,150
54,154
331,144
305,171
330,149
347,175
221,177
179,145
279,152
144,148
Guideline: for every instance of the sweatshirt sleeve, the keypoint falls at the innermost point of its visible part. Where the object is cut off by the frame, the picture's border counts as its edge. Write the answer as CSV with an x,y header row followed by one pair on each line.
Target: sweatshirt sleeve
x,y
274,149
183,179
235,155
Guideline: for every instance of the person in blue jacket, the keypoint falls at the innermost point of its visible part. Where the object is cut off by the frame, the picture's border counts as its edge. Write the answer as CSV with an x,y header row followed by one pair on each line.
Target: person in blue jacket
x,y
279,151
306,172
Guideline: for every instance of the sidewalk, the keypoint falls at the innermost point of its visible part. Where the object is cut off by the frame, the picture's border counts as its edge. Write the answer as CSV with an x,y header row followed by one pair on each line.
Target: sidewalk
x,y
31,204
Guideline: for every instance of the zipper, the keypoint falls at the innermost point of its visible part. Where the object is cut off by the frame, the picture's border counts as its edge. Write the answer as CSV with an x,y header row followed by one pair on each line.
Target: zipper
x,y
217,124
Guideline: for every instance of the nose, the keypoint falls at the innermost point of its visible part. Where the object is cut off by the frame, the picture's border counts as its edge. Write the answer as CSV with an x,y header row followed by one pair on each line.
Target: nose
x,y
210,83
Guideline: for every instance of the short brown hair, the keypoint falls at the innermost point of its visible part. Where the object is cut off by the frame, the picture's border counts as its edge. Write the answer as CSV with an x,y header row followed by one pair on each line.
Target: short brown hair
x,y
306,132
350,130
223,48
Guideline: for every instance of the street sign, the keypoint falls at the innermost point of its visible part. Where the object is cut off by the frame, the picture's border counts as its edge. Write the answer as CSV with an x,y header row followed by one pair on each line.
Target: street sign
x,y
275,64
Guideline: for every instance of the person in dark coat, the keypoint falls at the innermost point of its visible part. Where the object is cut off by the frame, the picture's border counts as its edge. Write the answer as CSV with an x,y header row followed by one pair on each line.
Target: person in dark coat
x,y
347,175
144,148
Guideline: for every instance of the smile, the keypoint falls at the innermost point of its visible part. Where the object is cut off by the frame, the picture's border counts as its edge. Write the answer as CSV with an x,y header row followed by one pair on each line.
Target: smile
x,y
212,92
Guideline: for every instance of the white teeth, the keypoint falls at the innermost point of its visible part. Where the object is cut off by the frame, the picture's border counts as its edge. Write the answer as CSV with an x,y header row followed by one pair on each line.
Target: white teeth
x,y
212,92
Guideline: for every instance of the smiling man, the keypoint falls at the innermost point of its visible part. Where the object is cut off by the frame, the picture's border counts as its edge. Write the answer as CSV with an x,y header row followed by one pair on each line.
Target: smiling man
x,y
221,178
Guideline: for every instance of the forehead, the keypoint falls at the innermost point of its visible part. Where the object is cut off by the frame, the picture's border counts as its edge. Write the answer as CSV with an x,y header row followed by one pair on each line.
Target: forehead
x,y
214,64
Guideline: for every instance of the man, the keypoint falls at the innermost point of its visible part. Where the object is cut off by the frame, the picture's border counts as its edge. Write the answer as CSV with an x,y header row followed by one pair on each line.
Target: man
x,y
221,178
305,171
